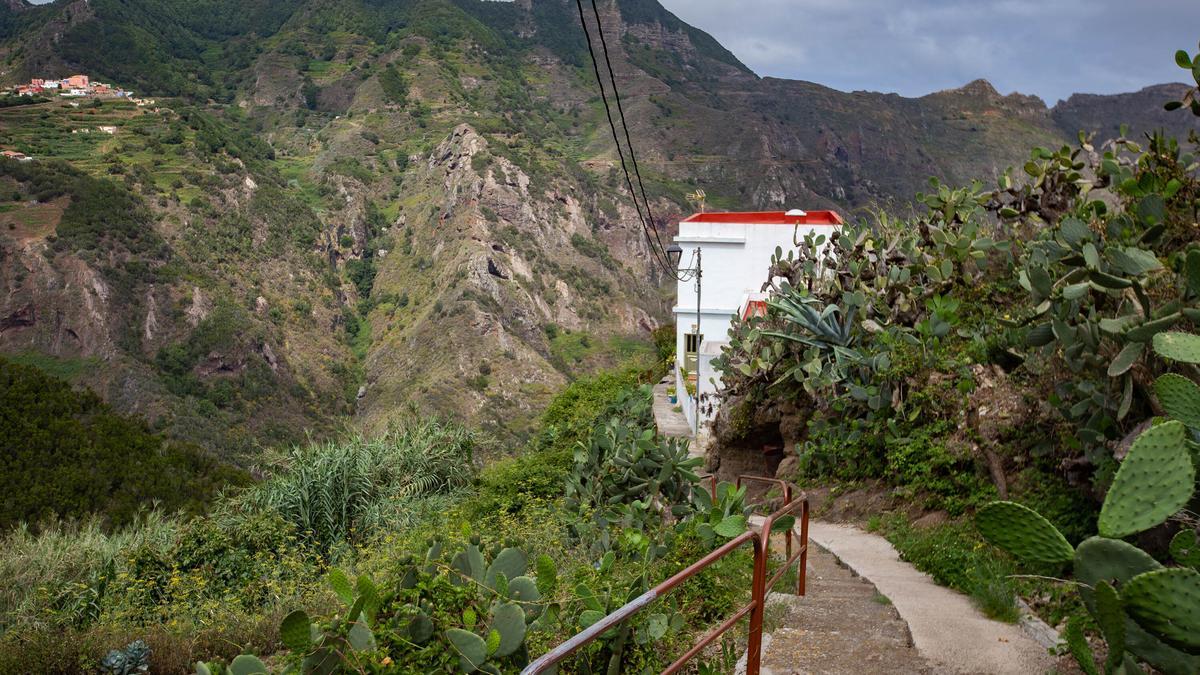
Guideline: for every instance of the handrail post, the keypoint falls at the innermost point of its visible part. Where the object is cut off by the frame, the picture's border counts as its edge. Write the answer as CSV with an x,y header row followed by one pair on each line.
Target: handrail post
x,y
802,572
787,501
758,600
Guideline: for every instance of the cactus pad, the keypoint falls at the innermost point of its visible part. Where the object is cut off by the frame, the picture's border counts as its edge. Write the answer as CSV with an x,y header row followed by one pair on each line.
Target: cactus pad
x,y
472,650
1155,481
247,665
1078,646
296,631
1126,358
1180,397
1111,619
1178,346
524,592
1116,562
1167,604
420,628
509,621
360,637
1192,268
547,574
1023,532
1185,548
1109,560
510,562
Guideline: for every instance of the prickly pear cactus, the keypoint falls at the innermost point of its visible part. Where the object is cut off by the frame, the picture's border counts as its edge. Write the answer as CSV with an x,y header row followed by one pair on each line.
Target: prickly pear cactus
x,y
1185,549
1023,532
1116,562
1178,346
509,621
524,592
511,562
1111,560
1180,397
1154,482
247,664
1111,619
1167,603
472,650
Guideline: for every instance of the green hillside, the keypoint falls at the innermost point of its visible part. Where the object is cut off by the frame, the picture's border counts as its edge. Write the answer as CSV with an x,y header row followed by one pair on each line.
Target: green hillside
x,y
375,222
68,455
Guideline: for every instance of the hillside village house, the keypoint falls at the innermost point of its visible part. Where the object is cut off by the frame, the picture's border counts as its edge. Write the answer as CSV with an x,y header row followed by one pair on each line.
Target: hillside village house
x,y
735,250
75,86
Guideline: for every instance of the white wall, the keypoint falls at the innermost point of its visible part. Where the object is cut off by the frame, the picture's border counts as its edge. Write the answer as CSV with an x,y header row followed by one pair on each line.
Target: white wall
x,y
735,258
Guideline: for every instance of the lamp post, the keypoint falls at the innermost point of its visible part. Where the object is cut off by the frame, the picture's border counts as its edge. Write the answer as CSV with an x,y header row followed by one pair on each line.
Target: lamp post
x,y
675,255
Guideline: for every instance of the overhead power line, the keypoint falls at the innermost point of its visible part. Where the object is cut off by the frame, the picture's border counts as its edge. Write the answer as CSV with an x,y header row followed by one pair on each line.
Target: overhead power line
x,y
648,229
621,113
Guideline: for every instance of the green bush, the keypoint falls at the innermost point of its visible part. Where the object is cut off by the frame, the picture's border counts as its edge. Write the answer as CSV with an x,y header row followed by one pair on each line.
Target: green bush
x,y
395,88
66,454
346,490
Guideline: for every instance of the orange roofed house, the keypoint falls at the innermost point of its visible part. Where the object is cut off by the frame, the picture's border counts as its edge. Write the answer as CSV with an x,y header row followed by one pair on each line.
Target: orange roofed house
x,y
736,250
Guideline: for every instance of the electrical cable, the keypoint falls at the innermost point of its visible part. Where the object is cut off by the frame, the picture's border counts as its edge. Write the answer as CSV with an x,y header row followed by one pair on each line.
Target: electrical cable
x,y
621,113
657,251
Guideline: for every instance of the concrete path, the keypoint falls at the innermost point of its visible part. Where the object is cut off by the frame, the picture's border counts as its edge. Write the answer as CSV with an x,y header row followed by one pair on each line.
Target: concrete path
x,y
670,422
947,630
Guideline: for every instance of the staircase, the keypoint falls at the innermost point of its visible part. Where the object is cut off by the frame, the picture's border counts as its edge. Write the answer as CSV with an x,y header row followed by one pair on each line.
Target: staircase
x,y
841,626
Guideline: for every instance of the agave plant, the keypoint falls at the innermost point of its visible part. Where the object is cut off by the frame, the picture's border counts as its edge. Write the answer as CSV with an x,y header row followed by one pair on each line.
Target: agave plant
x,y
820,326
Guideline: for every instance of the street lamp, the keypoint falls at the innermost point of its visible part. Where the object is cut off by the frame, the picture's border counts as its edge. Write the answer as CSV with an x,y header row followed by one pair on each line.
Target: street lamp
x,y
675,255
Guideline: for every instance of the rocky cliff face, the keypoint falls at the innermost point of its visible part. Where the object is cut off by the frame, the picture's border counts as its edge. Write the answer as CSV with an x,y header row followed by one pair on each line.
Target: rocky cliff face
x,y
1141,110
494,271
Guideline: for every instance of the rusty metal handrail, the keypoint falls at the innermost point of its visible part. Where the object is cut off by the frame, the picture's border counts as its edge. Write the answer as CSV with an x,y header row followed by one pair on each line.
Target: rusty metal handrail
x,y
785,488
801,553
760,585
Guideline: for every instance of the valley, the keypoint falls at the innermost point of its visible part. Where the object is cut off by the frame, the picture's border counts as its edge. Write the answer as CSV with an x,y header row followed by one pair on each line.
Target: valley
x,y
328,343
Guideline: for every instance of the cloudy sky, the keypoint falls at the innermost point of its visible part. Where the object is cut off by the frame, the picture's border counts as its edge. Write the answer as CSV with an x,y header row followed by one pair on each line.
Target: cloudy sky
x,y
1050,48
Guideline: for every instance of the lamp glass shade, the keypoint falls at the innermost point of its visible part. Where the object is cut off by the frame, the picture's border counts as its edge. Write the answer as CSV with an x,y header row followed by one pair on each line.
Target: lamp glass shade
x,y
674,254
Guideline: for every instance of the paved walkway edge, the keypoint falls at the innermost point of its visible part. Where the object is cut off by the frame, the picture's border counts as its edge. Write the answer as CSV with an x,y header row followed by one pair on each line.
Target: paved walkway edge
x,y
670,423
946,628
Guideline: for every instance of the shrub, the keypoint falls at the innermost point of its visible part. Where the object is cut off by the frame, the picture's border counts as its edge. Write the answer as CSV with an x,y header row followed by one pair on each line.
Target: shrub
x,y
395,88
340,491
66,454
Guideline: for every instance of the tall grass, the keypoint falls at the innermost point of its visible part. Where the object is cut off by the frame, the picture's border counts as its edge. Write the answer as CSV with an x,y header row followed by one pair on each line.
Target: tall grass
x,y
332,494
954,555
341,491
47,568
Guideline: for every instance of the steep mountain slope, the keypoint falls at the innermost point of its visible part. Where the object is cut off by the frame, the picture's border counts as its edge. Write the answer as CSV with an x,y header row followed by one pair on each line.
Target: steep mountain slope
x,y
382,203
1141,110
170,265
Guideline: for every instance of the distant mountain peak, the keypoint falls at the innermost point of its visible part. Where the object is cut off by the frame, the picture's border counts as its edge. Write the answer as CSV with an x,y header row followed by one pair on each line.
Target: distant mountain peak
x,y
978,87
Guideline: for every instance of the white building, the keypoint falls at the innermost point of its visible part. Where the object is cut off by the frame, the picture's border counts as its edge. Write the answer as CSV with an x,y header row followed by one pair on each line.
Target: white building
x,y
735,251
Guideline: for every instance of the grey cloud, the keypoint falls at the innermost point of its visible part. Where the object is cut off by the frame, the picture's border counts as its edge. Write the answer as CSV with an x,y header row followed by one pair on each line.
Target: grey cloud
x,y
1050,48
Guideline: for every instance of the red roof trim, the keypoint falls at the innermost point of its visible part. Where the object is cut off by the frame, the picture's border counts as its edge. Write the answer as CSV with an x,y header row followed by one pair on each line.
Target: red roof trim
x,y
765,218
